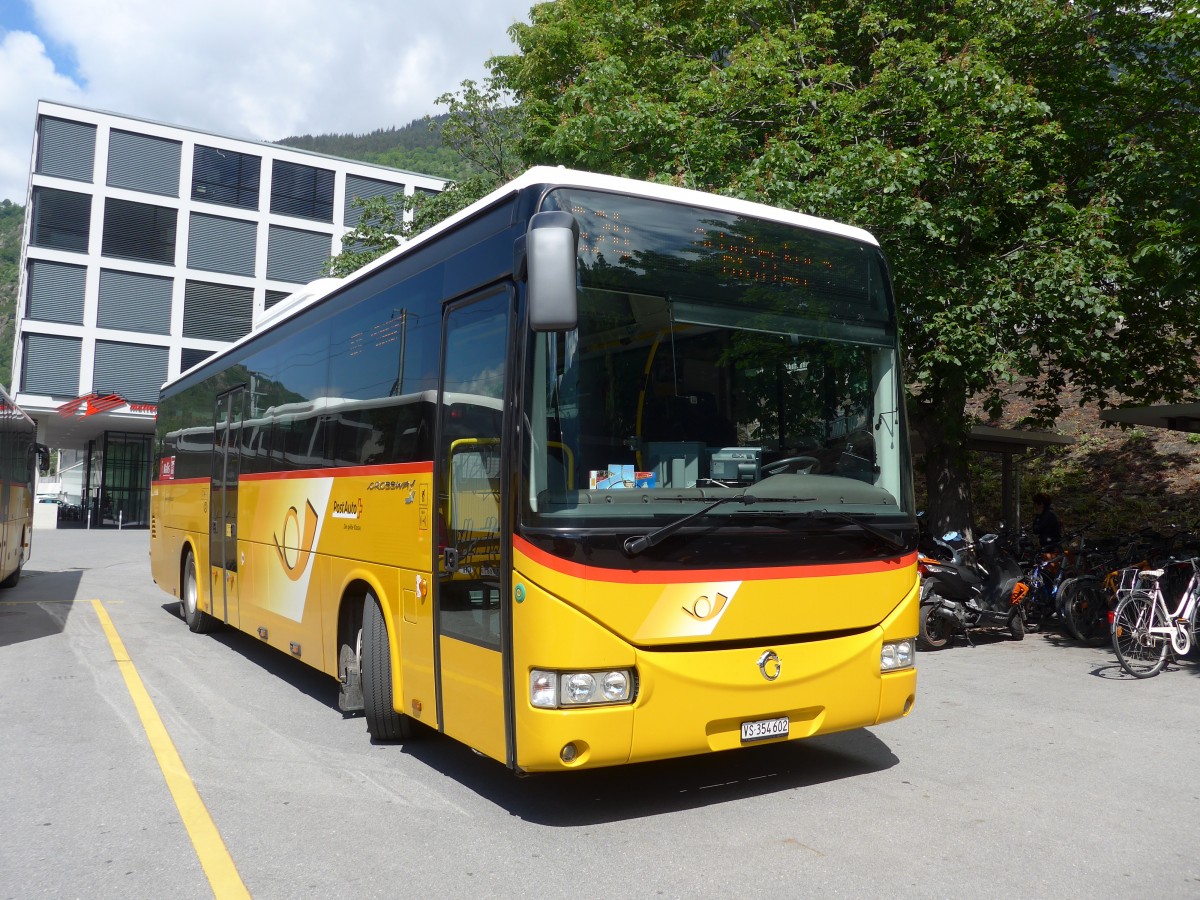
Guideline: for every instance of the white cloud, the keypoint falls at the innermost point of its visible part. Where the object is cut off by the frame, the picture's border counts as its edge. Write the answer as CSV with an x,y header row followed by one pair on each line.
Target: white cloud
x,y
27,74
262,69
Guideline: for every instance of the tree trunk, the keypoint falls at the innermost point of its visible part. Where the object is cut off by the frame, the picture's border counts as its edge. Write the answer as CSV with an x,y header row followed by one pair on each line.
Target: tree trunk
x,y
948,483
943,430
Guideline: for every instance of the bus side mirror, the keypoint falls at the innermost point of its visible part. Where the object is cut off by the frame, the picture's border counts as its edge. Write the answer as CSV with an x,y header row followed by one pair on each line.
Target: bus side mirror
x,y
551,246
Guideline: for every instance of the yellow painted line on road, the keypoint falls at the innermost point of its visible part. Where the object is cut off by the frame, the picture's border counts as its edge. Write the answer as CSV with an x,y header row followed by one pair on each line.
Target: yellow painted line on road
x,y
218,865
55,600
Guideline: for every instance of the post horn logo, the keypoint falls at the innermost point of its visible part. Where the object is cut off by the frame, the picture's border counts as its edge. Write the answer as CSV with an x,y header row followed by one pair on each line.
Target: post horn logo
x,y
294,558
770,665
705,609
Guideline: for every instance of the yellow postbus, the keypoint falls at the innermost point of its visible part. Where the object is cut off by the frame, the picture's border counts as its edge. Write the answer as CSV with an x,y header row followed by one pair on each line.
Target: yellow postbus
x,y
20,455
594,472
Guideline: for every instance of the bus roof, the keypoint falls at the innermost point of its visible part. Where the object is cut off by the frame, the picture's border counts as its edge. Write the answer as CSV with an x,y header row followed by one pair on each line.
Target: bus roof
x,y
557,176
551,177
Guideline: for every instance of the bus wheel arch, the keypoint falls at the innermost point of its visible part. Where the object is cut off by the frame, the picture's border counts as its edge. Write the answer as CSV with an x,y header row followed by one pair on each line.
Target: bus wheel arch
x,y
189,593
377,677
349,658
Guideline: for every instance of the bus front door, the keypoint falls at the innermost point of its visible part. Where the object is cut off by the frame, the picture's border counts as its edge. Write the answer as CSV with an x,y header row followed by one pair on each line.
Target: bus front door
x,y
472,619
223,505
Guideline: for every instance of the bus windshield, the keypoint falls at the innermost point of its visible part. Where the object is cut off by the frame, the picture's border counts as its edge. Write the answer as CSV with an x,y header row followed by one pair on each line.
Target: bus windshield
x,y
714,354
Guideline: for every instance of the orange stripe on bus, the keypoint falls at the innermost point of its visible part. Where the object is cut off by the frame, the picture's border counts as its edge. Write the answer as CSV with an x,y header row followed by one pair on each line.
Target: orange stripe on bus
x,y
750,573
416,468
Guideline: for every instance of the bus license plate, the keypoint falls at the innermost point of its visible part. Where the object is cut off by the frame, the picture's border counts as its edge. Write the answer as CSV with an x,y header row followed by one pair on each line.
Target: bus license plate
x,y
764,729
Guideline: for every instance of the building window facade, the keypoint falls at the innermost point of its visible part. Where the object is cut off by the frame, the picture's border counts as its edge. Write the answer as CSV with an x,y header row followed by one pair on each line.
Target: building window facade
x,y
66,149
55,292
218,244
141,162
217,312
61,219
51,365
132,371
130,301
188,235
295,255
139,231
359,188
303,191
226,177
190,356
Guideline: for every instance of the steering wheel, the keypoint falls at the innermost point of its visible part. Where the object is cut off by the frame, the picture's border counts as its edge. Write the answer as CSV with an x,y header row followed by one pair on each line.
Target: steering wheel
x,y
796,463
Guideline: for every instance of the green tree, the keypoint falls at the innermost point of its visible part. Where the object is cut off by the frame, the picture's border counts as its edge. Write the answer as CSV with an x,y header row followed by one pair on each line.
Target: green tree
x,y
1029,166
386,221
12,221
481,129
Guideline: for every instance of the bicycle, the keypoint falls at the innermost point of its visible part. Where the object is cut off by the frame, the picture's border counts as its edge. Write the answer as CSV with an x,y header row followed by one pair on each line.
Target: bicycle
x,y
1041,603
1085,602
1088,601
1143,629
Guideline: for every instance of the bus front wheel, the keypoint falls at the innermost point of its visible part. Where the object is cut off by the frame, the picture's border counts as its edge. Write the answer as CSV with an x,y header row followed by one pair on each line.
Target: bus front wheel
x,y
383,722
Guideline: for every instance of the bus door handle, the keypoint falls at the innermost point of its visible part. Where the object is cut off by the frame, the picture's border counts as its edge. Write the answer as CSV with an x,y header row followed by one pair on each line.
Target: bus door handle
x,y
450,560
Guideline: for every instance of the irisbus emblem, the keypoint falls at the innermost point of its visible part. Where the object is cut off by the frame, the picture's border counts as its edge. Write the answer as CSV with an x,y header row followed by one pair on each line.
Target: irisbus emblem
x,y
770,665
296,546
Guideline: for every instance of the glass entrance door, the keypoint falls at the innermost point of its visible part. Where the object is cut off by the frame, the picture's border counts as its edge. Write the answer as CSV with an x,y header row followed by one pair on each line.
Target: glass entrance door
x,y
223,504
472,616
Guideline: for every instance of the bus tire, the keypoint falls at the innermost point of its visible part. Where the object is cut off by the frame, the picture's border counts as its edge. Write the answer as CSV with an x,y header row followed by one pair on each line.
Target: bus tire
x,y
11,580
383,722
189,598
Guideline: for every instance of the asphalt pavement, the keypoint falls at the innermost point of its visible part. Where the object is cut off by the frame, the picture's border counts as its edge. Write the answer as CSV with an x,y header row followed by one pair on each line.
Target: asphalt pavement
x,y
1026,769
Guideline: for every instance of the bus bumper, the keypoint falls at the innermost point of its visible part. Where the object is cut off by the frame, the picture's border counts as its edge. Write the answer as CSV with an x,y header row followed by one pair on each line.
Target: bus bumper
x,y
695,701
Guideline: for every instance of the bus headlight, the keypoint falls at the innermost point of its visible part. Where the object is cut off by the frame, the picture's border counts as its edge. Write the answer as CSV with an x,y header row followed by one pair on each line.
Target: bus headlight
x,y
896,655
555,690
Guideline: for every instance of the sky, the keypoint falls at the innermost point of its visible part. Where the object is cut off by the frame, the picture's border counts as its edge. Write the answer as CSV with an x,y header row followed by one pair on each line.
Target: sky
x,y
254,69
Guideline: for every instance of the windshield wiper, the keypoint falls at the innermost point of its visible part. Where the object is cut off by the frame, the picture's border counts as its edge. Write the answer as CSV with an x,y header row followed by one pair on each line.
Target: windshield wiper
x,y
638,543
879,534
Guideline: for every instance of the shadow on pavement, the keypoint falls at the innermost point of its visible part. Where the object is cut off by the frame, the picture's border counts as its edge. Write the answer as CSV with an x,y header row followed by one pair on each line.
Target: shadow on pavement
x,y
304,678
602,795
595,796
39,605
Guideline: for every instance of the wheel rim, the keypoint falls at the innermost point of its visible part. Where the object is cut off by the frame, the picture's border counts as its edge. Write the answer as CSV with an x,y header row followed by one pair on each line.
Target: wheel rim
x,y
189,587
937,629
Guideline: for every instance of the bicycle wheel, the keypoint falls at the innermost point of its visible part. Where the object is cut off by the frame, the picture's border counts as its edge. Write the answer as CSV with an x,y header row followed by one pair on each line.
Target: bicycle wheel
x,y
1068,597
1141,653
1194,624
1086,611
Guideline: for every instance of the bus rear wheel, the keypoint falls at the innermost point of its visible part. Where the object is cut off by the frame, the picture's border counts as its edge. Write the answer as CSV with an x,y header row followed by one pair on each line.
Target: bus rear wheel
x,y
383,722
12,579
189,599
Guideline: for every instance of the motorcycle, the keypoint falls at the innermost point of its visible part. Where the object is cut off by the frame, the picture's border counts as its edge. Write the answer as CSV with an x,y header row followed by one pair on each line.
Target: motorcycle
x,y
969,586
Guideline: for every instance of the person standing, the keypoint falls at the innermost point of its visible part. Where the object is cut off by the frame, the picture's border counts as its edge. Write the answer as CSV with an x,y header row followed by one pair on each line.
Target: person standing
x,y
1045,523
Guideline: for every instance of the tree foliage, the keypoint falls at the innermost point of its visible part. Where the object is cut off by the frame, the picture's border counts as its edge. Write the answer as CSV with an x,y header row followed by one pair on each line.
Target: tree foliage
x,y
416,147
481,129
1029,166
386,221
12,221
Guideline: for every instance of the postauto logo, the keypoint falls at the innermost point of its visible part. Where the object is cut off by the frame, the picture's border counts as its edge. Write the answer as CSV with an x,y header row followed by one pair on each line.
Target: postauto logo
x,y
295,548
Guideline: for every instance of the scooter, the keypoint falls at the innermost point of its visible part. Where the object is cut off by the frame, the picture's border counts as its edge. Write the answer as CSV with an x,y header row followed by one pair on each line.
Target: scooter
x,y
972,586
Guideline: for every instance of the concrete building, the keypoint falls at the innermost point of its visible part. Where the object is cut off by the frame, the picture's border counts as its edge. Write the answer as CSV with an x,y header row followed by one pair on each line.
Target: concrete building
x,y
147,247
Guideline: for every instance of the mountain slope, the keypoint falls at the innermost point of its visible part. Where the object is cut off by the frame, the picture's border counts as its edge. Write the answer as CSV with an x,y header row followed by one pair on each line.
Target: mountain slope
x,y
415,147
